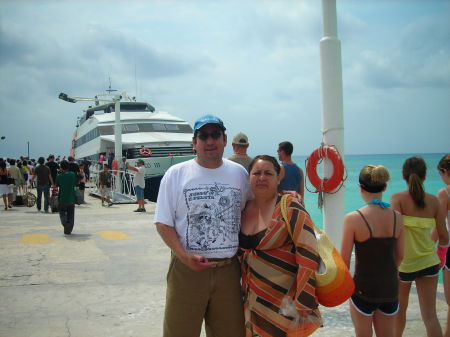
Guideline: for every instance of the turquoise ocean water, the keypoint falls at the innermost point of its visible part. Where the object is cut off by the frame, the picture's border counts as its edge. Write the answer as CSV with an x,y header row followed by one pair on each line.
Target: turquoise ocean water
x,y
354,164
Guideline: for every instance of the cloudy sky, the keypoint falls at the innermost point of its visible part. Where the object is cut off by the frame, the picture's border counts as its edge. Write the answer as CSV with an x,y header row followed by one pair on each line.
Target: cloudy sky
x,y
254,63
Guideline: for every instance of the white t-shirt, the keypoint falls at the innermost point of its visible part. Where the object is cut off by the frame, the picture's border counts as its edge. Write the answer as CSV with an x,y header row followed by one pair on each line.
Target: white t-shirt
x,y
204,206
139,176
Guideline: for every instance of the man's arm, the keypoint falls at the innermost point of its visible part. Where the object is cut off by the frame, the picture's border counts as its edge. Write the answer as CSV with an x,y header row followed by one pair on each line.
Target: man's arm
x,y
33,176
282,173
170,237
132,168
301,188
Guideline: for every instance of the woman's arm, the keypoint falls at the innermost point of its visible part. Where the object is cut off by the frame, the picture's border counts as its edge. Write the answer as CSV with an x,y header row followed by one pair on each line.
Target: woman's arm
x,y
348,239
443,202
440,223
400,244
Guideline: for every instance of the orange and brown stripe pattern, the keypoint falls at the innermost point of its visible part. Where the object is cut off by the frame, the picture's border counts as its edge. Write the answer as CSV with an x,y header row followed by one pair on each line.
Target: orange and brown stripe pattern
x,y
282,268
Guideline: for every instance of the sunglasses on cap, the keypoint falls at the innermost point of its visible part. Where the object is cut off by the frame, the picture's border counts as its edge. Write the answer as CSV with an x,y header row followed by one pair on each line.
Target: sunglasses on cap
x,y
205,135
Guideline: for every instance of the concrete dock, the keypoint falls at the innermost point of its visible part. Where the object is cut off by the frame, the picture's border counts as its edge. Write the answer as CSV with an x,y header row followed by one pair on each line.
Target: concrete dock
x,y
106,279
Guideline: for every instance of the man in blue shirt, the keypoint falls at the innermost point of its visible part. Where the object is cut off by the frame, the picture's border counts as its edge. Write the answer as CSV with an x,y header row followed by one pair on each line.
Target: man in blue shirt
x,y
291,176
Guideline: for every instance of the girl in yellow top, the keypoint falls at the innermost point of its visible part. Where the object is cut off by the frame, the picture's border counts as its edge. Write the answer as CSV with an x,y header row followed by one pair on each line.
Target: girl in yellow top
x,y
421,215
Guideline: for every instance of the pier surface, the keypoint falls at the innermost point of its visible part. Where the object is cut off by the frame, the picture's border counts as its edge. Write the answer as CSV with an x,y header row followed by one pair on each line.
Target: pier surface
x,y
107,279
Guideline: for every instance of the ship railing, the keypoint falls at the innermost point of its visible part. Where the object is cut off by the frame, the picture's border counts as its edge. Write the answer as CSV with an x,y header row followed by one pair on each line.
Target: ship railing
x,y
122,187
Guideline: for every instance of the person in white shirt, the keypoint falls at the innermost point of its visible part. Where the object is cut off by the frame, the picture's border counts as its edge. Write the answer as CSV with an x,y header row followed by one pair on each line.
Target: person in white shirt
x,y
139,183
198,215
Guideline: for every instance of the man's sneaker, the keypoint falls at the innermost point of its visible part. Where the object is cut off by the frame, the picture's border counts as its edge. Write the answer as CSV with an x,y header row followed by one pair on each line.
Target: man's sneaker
x,y
143,210
110,204
138,210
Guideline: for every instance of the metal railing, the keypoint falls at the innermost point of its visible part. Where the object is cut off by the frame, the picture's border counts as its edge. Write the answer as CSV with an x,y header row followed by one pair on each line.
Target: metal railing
x,y
122,186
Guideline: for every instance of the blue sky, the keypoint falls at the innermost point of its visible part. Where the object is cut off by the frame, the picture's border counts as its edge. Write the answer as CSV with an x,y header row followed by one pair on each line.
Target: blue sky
x,y
253,63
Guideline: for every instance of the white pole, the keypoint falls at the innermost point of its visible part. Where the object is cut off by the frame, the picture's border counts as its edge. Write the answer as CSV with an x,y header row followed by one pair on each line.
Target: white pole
x,y
117,139
332,115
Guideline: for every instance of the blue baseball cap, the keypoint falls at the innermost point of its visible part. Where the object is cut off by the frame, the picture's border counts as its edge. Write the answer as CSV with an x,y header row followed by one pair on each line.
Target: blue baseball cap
x,y
208,119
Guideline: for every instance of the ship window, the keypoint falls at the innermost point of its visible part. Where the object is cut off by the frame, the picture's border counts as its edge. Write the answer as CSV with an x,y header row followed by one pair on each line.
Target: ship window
x,y
179,128
172,127
146,127
185,128
159,127
106,130
129,128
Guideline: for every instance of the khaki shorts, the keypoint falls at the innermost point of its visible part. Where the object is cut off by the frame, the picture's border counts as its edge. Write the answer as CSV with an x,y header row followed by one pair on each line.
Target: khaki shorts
x,y
105,191
213,294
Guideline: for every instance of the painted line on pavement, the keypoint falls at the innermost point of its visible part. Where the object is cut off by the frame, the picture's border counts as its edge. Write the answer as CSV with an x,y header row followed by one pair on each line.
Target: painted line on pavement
x,y
35,239
111,235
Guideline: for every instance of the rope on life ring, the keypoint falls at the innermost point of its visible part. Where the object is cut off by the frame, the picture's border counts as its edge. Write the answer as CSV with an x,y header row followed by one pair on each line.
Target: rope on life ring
x,y
327,184
146,152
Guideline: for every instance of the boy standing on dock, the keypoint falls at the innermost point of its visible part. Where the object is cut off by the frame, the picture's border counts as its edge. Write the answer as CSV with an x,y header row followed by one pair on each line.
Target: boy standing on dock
x,y
104,180
66,181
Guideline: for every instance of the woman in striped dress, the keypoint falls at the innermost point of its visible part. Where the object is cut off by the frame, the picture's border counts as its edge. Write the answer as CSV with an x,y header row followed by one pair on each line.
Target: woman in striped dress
x,y
278,271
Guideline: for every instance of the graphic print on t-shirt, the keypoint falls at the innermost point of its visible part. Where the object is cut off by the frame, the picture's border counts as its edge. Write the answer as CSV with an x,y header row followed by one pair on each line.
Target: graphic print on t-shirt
x,y
213,217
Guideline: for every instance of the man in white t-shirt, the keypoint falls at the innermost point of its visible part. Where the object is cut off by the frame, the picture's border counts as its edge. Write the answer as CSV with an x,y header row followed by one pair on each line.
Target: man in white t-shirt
x,y
139,183
198,217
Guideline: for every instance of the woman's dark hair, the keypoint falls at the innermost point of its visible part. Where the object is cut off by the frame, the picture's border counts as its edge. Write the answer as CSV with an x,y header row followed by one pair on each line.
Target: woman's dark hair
x,y
444,163
266,158
414,172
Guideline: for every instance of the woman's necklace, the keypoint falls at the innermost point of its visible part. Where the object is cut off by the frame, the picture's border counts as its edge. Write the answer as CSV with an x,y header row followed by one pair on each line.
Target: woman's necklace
x,y
380,203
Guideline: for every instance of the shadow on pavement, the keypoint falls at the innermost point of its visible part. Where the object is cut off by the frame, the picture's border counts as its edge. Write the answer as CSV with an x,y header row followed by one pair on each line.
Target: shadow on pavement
x,y
78,237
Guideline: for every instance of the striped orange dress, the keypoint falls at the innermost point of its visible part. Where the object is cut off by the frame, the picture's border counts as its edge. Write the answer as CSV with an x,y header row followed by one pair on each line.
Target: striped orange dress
x,y
278,277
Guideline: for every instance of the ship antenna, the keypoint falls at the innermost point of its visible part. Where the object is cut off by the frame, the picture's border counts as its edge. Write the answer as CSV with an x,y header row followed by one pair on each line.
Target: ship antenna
x,y
109,90
135,71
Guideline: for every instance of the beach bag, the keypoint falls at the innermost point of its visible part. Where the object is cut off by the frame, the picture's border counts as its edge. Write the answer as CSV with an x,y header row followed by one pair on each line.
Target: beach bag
x,y
29,199
334,283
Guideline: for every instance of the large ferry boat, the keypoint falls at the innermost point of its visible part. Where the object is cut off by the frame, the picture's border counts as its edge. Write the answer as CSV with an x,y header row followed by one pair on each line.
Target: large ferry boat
x,y
157,137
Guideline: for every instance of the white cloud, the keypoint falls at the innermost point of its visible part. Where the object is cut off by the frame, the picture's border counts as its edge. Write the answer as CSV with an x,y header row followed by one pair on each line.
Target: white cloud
x,y
254,63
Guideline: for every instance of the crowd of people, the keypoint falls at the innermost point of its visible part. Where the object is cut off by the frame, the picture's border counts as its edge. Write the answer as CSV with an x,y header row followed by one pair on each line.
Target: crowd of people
x,y
57,175
242,268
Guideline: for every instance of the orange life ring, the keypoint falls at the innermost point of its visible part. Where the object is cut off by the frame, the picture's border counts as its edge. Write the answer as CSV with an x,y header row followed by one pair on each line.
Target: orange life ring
x,y
330,184
146,152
